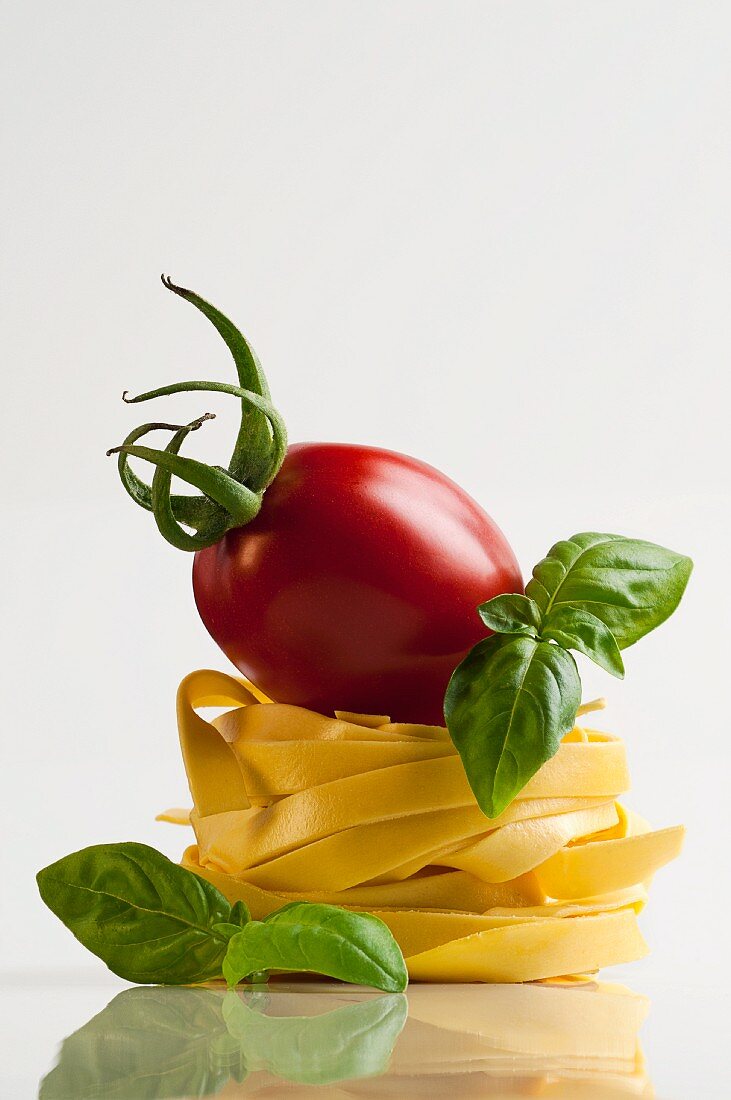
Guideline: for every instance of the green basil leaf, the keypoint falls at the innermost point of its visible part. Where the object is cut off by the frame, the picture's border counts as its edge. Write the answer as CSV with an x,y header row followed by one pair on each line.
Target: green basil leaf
x,y
511,613
631,585
238,917
226,929
508,704
258,977
148,1044
580,630
240,914
324,939
346,1043
147,918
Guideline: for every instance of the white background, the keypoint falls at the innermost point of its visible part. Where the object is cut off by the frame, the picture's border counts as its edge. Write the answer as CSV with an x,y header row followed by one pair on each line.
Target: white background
x,y
491,235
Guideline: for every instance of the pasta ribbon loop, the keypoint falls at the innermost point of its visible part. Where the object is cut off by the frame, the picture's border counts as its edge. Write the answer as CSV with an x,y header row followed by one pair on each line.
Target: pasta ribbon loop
x,y
356,811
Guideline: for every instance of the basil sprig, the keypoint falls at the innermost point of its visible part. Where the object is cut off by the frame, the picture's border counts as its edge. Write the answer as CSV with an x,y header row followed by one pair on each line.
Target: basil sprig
x,y
516,694
154,922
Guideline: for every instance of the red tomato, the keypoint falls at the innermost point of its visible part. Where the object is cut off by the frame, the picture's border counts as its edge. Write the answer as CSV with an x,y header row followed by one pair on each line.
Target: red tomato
x,y
356,585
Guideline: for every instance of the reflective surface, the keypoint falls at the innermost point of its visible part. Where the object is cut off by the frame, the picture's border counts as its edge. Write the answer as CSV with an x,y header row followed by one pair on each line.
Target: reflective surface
x,y
570,1041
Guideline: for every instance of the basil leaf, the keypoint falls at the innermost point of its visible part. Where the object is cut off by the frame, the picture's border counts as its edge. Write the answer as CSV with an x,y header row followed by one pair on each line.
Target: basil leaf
x,y
631,585
147,918
148,1044
346,1043
240,914
226,929
324,939
580,630
511,613
238,917
508,704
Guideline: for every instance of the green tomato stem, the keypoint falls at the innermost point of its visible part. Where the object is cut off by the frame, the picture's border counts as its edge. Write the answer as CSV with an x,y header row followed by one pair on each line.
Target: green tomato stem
x,y
230,497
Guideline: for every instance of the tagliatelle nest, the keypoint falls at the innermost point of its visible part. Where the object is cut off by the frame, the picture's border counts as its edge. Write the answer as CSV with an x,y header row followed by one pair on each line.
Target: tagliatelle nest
x,y
358,811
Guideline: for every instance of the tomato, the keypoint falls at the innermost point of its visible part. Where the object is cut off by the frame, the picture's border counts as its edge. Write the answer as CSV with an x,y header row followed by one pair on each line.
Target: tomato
x,y
355,587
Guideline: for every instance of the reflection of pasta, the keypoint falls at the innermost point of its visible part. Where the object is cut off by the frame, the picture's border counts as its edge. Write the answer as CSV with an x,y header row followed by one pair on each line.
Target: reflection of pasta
x,y
358,811
577,1042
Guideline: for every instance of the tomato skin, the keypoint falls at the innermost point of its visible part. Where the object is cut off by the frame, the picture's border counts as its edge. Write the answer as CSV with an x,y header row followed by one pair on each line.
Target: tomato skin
x,y
355,587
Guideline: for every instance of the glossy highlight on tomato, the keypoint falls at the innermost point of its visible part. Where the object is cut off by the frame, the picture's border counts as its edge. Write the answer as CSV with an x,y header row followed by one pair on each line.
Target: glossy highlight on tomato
x,y
355,587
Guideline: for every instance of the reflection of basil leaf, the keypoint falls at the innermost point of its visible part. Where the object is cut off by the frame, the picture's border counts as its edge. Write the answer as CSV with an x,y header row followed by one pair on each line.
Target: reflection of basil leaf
x,y
575,629
511,613
631,585
147,918
148,1044
354,1041
507,706
152,1044
324,939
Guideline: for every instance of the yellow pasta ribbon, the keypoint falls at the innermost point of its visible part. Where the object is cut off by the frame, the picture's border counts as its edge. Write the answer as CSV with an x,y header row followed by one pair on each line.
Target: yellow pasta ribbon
x,y
355,810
